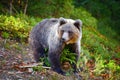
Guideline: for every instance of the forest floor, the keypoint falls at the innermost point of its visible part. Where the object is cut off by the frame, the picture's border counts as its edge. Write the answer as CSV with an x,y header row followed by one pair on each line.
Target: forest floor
x,y
13,55
16,61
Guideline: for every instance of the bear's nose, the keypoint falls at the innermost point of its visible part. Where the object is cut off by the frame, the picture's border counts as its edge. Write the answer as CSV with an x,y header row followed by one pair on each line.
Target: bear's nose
x,y
63,40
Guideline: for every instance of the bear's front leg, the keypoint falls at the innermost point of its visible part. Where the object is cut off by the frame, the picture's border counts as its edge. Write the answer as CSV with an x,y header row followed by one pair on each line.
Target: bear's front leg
x,y
54,58
39,52
76,50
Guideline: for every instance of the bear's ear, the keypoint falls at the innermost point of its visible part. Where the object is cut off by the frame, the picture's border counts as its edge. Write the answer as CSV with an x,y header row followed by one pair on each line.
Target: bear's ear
x,y
78,23
62,21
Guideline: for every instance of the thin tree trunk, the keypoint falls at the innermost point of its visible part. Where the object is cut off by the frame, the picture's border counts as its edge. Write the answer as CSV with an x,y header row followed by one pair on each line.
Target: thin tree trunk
x,y
11,1
26,5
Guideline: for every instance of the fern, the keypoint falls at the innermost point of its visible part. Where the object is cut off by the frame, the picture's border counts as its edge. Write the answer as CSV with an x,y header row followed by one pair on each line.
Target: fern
x,y
68,56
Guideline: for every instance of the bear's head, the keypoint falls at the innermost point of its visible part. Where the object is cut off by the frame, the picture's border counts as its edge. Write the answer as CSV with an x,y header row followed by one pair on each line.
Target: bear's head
x,y
70,30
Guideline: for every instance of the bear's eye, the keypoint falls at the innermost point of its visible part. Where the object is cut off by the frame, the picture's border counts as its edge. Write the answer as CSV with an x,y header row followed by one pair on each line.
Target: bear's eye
x,y
62,31
70,32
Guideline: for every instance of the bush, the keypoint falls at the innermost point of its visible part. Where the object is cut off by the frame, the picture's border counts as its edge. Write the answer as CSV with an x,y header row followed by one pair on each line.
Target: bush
x,y
100,50
17,28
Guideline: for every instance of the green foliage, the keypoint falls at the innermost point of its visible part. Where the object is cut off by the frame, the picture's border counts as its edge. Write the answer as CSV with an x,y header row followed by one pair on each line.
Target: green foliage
x,y
106,67
68,56
65,56
85,16
101,50
16,27
45,61
107,13
38,68
50,8
5,35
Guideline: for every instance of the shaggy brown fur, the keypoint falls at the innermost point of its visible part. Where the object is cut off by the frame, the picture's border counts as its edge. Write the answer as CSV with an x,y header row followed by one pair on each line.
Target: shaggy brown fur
x,y
47,34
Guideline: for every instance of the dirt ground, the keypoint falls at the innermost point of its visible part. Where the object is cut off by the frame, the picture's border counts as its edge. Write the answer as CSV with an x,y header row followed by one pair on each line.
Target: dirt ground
x,y
14,54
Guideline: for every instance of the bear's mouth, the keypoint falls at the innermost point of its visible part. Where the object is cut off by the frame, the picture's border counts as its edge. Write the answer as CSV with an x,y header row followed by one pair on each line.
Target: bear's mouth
x,y
64,41
68,41
71,41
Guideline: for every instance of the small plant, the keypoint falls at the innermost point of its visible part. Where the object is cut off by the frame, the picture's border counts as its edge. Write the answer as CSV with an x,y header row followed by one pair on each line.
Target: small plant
x,y
5,35
67,56
45,61
38,68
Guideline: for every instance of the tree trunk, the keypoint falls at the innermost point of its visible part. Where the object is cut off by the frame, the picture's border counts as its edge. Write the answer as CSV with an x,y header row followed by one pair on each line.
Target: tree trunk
x,y
11,6
26,5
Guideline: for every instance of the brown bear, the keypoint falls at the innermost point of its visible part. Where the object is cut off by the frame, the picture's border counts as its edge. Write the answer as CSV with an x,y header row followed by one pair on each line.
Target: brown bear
x,y
54,34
